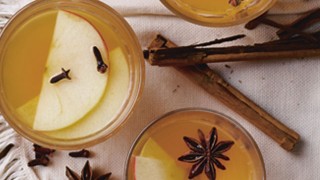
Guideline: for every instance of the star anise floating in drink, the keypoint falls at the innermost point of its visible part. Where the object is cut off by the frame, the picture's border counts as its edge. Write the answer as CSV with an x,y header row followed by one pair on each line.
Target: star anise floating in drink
x,y
86,174
205,154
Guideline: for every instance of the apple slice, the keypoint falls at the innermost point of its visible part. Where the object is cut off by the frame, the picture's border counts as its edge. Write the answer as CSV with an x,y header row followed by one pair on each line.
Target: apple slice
x,y
149,168
28,111
114,95
155,163
153,150
63,103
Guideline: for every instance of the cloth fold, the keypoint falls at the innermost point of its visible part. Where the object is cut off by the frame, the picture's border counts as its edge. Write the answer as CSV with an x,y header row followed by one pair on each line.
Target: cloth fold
x,y
13,165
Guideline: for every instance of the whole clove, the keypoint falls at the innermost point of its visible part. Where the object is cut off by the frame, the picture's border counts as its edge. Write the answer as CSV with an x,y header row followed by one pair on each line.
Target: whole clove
x,y
43,161
63,75
42,150
101,66
41,156
83,153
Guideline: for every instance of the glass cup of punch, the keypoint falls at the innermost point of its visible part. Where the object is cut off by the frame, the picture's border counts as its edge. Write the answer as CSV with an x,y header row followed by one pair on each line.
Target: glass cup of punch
x,y
194,143
71,72
218,13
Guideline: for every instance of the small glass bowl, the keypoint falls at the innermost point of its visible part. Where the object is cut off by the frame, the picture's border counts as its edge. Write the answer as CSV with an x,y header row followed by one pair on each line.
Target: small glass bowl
x,y
246,11
106,16
168,131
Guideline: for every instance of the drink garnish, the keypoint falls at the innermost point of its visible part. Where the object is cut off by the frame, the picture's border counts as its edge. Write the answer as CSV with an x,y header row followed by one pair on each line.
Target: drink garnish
x,y
42,161
101,67
71,175
86,174
59,77
83,153
205,154
42,151
41,156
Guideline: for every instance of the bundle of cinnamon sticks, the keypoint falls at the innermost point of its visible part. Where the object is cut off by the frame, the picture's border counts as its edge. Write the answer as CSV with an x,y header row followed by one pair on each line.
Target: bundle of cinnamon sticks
x,y
293,42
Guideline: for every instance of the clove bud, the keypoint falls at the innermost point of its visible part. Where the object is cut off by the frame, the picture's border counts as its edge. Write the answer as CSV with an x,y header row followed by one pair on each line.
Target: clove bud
x,y
59,77
101,66
83,153
42,161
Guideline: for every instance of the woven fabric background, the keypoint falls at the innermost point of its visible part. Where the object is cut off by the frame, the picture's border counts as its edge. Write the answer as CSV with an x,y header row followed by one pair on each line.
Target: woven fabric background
x,y
287,89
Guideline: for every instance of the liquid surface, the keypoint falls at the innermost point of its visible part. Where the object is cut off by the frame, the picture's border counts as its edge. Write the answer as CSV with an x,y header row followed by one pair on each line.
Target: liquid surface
x,y
218,13
213,6
168,136
24,64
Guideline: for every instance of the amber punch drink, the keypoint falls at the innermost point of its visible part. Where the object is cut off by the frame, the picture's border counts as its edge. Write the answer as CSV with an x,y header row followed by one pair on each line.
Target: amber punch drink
x,y
218,12
194,144
71,72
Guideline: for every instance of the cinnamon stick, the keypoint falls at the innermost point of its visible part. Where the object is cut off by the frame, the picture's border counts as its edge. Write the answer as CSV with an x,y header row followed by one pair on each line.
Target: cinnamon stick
x,y
177,56
304,22
294,31
161,57
235,100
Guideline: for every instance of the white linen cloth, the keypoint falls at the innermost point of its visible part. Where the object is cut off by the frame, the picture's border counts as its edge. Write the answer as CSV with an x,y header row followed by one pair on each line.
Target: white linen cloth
x,y
287,89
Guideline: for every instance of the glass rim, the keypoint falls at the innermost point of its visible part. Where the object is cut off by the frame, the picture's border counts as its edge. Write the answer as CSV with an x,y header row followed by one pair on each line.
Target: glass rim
x,y
201,110
135,86
217,22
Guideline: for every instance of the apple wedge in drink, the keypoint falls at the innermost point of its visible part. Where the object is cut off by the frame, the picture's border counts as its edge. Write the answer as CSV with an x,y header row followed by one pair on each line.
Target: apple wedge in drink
x,y
102,115
104,92
109,106
72,73
63,103
156,164
150,168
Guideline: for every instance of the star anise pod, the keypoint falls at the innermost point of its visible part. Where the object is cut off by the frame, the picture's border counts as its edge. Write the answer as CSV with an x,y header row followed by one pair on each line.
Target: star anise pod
x,y
235,2
86,174
205,154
